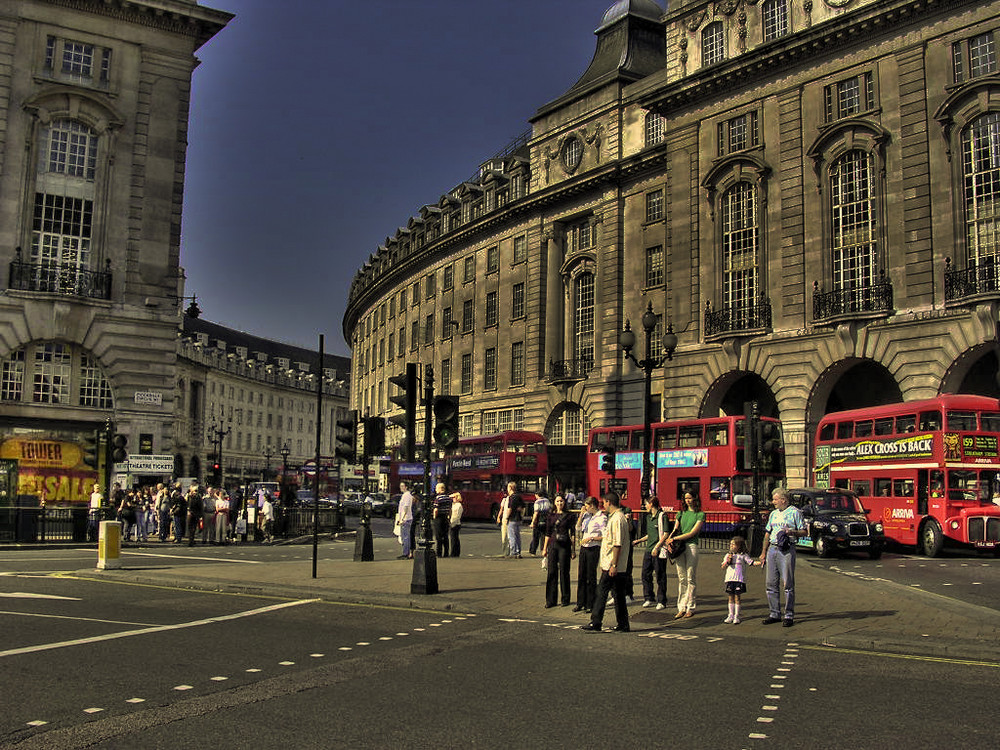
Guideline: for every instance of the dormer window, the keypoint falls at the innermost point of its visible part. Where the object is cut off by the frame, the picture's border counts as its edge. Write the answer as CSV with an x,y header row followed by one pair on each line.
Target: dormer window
x,y
77,62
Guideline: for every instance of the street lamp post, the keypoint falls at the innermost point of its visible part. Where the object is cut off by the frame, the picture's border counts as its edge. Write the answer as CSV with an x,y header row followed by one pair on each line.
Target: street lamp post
x,y
268,452
626,340
285,452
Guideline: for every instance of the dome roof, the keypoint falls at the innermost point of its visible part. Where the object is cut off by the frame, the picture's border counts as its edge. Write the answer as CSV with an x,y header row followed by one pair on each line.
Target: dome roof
x,y
644,8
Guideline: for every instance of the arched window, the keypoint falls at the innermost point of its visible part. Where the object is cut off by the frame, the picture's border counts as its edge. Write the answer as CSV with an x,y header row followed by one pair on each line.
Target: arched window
x,y
583,333
854,221
653,129
51,372
981,177
568,425
740,248
713,44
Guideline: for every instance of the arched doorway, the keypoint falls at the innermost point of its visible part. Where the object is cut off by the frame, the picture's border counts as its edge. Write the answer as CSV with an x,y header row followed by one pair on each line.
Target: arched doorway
x,y
976,372
566,433
729,394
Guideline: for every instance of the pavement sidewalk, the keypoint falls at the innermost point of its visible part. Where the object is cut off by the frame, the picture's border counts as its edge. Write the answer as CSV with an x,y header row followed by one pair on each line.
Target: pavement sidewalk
x,y
832,609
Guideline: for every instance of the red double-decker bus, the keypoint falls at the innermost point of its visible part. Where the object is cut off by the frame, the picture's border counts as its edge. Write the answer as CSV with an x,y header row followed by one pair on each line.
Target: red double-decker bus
x,y
481,467
701,455
930,470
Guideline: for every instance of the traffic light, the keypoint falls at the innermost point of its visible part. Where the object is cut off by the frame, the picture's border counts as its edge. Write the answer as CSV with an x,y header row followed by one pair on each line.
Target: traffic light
x,y
374,436
751,435
608,461
446,422
118,454
345,444
90,449
769,447
407,400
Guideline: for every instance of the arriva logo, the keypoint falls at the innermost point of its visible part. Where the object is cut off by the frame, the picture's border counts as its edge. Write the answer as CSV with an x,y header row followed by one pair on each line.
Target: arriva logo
x,y
899,514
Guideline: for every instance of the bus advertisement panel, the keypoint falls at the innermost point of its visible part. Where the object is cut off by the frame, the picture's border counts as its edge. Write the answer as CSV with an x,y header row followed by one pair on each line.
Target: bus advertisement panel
x,y
929,470
705,456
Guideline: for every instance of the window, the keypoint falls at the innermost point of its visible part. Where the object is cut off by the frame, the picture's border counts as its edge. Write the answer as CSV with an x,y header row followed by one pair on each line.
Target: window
x,y
975,57
580,236
713,44
415,296
429,329
470,269
51,374
445,382
739,249
402,300
77,62
430,285
70,148
490,370
981,175
520,249
446,323
468,316
849,97
392,306
401,342
391,348
517,301
572,153
654,206
653,132
583,334
492,309
12,377
60,242
774,18
517,363
654,265
492,259
854,222
414,335
739,133
448,279
466,373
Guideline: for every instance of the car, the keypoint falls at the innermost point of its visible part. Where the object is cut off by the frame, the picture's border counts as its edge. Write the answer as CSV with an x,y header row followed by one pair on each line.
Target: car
x,y
837,522
385,506
352,502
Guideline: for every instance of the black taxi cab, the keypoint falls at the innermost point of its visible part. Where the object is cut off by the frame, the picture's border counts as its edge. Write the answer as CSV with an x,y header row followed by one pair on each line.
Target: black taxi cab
x,y
837,522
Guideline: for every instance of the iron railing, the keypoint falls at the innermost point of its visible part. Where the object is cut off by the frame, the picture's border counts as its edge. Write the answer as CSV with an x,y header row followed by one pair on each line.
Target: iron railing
x,y
853,300
755,316
974,279
570,369
60,279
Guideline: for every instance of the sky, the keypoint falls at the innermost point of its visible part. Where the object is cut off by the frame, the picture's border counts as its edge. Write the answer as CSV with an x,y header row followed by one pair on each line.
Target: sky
x,y
319,127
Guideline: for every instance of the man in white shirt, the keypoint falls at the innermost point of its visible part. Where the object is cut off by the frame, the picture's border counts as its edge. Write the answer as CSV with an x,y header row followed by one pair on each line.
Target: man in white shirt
x,y
784,526
404,517
615,546
96,500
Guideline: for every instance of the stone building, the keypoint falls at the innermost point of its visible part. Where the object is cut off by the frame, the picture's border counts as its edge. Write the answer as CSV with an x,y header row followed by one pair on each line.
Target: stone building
x,y
806,191
94,98
252,397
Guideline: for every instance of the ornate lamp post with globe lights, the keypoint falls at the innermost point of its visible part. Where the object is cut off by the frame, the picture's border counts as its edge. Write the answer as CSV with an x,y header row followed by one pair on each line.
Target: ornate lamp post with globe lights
x,y
626,340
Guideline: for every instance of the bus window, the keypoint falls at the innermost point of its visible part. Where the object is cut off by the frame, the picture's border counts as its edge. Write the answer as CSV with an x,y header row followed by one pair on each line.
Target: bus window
x,y
666,438
717,434
861,486
990,421
637,440
902,487
963,485
827,431
719,488
883,487
961,420
619,440
841,483
883,426
864,428
597,441
687,484
845,430
906,423
689,436
930,420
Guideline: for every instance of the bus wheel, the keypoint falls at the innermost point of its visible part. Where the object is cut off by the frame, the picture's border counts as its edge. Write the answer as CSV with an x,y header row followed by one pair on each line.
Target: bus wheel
x,y
495,512
822,547
931,539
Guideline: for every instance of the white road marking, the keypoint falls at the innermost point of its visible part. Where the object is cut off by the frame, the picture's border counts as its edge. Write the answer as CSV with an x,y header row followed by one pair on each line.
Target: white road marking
x,y
79,619
154,629
26,595
190,557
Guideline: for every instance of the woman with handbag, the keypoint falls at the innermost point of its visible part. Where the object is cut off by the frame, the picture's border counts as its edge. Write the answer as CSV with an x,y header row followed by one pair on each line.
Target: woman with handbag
x,y
557,551
654,559
686,529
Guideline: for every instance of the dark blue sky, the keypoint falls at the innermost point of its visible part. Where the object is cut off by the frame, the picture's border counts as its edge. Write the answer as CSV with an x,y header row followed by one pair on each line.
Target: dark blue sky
x,y
318,127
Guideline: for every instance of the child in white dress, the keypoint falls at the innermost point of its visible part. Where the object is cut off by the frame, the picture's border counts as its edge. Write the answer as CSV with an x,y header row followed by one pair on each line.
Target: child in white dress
x,y
733,562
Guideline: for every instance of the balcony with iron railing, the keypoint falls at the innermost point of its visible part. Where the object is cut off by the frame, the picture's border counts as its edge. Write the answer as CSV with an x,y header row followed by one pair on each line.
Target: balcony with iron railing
x,y
737,320
69,280
570,370
975,281
871,301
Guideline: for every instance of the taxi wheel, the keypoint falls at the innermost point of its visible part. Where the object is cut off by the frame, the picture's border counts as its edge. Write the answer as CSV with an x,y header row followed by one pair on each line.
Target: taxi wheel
x,y
822,547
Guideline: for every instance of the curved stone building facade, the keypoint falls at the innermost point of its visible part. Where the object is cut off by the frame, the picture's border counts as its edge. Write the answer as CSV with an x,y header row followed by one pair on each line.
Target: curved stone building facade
x,y
808,193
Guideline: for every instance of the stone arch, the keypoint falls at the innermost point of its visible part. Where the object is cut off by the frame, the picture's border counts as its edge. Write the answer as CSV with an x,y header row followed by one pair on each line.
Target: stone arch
x,y
732,390
975,371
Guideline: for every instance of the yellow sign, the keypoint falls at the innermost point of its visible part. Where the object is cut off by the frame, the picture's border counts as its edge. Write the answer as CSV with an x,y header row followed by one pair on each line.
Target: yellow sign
x,y
52,469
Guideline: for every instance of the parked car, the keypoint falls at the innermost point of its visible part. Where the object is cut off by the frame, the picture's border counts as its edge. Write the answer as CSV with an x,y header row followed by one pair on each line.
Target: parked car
x,y
837,522
352,502
385,506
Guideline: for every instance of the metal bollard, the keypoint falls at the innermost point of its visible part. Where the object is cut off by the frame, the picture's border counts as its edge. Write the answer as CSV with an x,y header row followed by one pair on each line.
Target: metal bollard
x,y
109,545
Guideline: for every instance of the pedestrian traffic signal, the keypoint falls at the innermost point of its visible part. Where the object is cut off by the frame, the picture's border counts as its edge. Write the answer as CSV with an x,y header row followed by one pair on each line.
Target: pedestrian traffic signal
x,y
608,460
90,449
407,400
345,447
118,454
374,442
446,422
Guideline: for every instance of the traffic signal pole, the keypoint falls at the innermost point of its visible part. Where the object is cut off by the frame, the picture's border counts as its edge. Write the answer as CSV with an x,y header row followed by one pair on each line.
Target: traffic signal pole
x,y
425,580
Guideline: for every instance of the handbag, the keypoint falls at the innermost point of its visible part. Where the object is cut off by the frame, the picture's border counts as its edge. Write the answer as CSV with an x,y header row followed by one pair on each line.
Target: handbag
x,y
676,548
